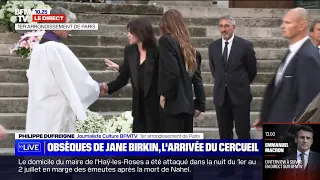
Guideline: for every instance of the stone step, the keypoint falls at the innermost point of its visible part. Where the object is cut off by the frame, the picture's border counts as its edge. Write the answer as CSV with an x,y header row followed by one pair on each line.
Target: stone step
x,y
100,40
117,52
5,49
21,90
7,62
209,119
263,66
19,104
8,143
7,152
197,42
3,29
9,38
19,76
103,8
213,133
206,119
120,19
198,12
212,32
184,3
195,31
13,120
209,133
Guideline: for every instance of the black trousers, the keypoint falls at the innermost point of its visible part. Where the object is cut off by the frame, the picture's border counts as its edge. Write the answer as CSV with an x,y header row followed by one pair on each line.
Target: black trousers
x,y
228,113
180,123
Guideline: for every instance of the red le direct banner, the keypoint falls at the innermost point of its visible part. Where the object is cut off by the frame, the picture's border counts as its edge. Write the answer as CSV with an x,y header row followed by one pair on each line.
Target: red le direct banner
x,y
48,18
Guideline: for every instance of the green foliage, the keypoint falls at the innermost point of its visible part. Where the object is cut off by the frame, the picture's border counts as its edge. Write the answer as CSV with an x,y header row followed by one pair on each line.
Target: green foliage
x,y
23,52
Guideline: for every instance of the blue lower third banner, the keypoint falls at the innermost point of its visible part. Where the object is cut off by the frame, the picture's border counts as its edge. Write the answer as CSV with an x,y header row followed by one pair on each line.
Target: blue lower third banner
x,y
87,147
131,168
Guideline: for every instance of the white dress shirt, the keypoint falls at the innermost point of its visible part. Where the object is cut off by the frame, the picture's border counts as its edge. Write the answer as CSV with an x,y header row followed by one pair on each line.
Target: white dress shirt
x,y
293,50
229,45
317,47
306,158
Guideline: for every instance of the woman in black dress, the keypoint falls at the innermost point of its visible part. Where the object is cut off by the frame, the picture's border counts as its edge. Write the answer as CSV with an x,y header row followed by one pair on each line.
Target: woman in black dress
x,y
179,69
140,64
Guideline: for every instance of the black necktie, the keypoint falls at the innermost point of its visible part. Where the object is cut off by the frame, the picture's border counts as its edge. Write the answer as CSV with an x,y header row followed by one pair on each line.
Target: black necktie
x,y
225,53
302,160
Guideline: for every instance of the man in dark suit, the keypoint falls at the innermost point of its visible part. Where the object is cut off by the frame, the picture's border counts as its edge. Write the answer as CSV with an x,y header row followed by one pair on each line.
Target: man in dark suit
x,y
309,159
296,81
233,65
315,33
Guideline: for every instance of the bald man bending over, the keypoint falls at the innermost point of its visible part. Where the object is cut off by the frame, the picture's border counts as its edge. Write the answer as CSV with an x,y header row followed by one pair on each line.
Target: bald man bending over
x,y
297,79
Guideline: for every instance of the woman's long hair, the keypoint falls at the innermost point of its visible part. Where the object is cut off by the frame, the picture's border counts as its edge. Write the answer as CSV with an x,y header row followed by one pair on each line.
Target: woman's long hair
x,y
172,23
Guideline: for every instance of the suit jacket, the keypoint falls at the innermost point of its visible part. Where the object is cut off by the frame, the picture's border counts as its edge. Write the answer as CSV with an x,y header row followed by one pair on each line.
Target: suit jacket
x,y
311,172
129,69
175,84
237,75
299,85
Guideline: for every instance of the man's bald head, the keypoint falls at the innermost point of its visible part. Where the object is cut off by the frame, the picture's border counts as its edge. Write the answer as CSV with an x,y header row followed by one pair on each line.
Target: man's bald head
x,y
300,14
295,24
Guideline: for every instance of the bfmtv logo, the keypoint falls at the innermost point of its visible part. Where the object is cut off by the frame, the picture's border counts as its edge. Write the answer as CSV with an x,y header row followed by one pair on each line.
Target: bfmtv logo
x,y
29,147
129,136
25,15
